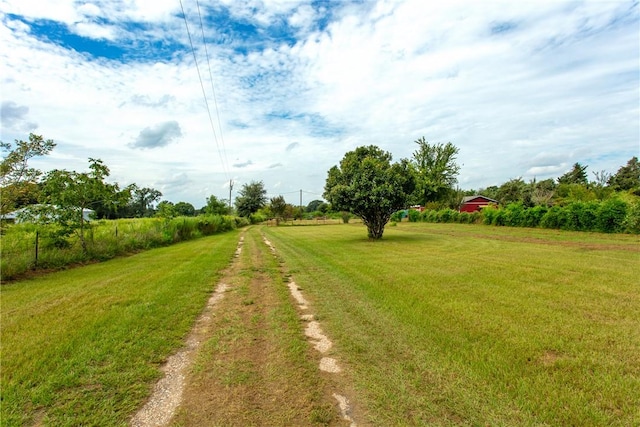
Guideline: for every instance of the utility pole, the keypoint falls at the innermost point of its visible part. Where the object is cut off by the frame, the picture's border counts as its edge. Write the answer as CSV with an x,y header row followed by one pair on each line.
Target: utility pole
x,y
300,204
230,188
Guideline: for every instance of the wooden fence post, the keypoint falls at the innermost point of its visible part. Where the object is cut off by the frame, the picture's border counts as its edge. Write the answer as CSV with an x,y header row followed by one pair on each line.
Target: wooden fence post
x,y
37,241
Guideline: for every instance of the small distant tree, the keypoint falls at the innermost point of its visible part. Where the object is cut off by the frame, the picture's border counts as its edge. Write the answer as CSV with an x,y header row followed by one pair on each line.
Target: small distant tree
x,y
628,177
542,192
278,207
216,206
142,201
514,190
18,181
66,195
577,175
166,209
252,197
368,185
184,209
436,170
314,205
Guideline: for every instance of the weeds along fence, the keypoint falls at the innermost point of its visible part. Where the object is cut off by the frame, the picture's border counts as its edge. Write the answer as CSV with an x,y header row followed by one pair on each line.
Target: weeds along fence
x,y
608,216
26,247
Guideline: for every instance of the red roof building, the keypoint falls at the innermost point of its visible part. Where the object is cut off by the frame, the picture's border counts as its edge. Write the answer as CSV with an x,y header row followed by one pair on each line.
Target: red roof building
x,y
476,203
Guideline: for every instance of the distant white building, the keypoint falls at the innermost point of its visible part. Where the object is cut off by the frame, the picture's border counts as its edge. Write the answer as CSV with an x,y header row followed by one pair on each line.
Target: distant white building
x,y
87,214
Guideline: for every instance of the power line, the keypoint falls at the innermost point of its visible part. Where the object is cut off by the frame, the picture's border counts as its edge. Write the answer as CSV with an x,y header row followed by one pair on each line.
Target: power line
x,y
204,93
213,90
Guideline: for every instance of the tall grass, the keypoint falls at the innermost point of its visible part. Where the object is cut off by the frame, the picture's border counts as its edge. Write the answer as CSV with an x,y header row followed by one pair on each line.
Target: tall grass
x,y
105,240
83,346
449,324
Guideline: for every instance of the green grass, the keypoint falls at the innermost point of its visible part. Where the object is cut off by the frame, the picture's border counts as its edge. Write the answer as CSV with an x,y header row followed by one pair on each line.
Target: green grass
x,y
83,346
448,324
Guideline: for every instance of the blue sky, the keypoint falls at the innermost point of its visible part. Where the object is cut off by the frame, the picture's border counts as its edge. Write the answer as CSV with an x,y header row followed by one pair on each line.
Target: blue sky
x,y
523,89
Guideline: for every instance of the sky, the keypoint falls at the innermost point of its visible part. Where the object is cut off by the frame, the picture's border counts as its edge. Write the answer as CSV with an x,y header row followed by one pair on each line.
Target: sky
x,y
186,96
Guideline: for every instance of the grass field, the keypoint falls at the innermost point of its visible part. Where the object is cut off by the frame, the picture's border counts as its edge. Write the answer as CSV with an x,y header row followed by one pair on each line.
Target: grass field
x,y
437,324
81,347
446,324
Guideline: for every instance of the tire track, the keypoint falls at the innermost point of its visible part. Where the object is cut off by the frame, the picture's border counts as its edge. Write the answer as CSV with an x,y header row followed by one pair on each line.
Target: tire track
x,y
319,340
167,392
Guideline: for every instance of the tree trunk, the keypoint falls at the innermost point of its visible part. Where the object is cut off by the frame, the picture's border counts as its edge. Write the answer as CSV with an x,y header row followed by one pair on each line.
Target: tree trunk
x,y
375,229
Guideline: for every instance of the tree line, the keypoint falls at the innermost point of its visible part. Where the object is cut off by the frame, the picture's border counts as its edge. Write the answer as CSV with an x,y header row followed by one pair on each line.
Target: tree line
x,y
366,183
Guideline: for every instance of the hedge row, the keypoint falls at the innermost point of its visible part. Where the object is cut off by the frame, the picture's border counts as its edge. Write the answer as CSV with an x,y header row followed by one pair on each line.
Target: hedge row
x,y
609,216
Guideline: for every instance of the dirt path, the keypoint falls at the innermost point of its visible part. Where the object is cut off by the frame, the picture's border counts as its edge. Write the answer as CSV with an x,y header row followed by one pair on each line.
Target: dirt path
x,y
257,356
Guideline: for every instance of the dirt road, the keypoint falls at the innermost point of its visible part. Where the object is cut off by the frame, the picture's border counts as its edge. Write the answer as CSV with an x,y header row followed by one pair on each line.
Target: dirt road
x,y
256,357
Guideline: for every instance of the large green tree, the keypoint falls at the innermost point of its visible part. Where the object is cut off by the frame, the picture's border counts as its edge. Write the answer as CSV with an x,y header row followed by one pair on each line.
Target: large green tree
x,y
216,206
142,200
18,181
435,169
577,175
66,195
369,185
628,177
252,197
184,209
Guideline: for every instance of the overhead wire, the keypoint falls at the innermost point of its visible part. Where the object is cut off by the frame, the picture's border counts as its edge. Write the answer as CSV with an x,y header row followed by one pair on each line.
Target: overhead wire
x,y
204,93
213,90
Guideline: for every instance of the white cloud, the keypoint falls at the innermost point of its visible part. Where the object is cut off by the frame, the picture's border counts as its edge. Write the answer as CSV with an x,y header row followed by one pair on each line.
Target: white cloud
x,y
522,88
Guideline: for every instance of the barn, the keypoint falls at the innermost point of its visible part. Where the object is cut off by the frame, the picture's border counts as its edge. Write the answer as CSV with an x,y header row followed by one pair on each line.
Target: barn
x,y
476,203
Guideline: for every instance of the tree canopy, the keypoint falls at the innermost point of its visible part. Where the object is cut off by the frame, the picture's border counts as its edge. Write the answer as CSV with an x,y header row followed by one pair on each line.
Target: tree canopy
x,y
216,206
628,177
142,200
252,197
368,185
185,209
66,195
435,169
278,207
18,181
577,175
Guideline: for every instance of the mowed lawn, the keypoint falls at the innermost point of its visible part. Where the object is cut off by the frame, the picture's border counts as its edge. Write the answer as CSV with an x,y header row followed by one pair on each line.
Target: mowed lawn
x,y
83,346
450,324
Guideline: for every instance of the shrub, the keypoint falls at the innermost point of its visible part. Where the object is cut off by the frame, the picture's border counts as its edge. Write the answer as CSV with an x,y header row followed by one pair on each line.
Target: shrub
x,y
397,216
611,216
500,217
464,218
513,214
533,216
257,218
632,220
429,216
414,215
488,215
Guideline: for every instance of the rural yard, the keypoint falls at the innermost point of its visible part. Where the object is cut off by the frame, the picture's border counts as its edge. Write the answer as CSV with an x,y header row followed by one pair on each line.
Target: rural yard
x,y
436,324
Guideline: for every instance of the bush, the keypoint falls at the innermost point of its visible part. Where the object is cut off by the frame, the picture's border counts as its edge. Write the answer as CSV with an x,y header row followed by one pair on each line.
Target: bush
x,y
611,216
397,216
414,215
488,215
533,216
579,216
632,220
257,218
514,214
